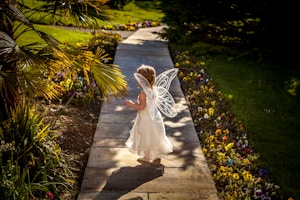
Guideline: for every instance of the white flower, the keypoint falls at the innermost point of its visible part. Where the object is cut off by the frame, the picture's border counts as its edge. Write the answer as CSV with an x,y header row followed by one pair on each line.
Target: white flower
x,y
206,116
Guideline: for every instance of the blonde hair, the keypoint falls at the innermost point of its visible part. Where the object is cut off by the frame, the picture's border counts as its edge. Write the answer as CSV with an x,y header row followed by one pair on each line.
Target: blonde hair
x,y
148,72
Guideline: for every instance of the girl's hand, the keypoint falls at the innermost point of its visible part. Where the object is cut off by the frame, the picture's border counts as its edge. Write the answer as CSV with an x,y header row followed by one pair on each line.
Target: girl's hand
x,y
128,103
140,105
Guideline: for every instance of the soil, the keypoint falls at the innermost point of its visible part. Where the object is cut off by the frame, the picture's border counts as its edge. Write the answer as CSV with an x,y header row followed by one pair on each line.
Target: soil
x,y
75,126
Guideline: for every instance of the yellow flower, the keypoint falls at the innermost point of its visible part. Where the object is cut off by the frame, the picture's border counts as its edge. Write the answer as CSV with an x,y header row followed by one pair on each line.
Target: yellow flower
x,y
236,176
247,176
222,169
70,180
211,90
109,27
177,64
213,103
204,150
235,194
228,146
131,28
246,161
221,155
211,111
218,132
155,23
226,131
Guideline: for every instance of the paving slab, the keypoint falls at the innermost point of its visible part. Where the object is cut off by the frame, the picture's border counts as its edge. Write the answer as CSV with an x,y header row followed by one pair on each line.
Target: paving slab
x,y
113,172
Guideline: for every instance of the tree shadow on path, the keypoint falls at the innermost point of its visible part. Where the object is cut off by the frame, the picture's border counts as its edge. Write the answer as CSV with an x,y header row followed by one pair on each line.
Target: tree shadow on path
x,y
126,179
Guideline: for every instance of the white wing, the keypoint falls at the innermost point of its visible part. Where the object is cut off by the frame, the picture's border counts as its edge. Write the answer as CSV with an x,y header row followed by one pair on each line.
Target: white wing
x,y
159,97
164,100
165,78
150,95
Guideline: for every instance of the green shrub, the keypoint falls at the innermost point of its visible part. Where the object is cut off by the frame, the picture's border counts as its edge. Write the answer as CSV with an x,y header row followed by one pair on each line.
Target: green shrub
x,y
82,84
293,86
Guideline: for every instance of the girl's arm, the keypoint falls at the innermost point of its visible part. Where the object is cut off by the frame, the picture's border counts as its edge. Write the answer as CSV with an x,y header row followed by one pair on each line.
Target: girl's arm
x,y
138,106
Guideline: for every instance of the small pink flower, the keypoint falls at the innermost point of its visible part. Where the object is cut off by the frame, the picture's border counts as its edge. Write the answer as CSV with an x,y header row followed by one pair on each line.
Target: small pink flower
x,y
50,195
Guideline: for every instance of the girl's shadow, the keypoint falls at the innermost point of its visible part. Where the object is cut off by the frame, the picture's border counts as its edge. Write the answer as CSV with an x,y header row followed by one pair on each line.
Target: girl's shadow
x,y
126,179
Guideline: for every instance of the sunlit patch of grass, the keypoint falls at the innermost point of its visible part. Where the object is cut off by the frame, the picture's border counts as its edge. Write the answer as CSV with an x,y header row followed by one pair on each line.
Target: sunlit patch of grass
x,y
61,34
269,113
65,35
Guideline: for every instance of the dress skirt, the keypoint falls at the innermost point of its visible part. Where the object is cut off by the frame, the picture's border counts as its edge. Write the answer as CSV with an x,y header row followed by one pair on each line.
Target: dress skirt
x,y
148,137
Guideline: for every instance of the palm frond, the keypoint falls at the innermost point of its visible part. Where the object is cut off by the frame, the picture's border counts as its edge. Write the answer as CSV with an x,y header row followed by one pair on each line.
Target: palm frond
x,y
9,90
109,77
82,12
8,48
37,85
32,55
14,13
50,40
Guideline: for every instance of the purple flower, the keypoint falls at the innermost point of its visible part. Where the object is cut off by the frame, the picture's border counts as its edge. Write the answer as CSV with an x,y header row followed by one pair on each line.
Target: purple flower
x,y
258,193
262,172
266,197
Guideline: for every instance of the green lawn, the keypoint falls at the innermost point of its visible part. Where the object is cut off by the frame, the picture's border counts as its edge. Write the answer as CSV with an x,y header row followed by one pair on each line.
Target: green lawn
x,y
271,116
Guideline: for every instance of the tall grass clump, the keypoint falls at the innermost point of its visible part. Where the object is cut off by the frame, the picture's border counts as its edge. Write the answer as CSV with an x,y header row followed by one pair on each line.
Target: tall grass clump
x,y
32,164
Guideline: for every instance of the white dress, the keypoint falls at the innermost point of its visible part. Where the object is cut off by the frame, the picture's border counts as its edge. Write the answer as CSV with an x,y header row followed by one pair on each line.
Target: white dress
x,y
148,137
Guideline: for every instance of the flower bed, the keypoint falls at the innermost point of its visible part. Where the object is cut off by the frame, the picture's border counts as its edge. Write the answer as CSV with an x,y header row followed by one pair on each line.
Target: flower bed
x,y
133,26
235,166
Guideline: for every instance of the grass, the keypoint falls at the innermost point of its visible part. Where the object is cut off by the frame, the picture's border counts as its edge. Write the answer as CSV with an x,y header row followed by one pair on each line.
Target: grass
x,y
136,11
64,35
61,34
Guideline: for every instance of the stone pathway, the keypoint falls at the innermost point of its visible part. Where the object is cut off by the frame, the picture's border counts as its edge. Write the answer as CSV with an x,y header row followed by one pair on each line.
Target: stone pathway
x,y
112,172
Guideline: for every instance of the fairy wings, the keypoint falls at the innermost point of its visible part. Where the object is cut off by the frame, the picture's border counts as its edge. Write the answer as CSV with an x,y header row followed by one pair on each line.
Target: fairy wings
x,y
159,97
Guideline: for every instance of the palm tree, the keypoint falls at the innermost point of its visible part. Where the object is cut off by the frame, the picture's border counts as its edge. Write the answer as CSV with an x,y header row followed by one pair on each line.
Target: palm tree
x,y
25,70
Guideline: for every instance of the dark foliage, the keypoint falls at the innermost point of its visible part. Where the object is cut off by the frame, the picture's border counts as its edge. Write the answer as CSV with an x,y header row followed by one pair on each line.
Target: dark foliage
x,y
240,24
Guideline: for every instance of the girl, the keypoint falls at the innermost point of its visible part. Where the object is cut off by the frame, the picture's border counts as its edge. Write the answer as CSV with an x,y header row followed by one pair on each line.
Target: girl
x,y
147,137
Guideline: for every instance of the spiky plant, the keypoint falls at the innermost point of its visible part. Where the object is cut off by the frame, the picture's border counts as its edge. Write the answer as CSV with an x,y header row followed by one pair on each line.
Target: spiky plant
x,y
31,162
